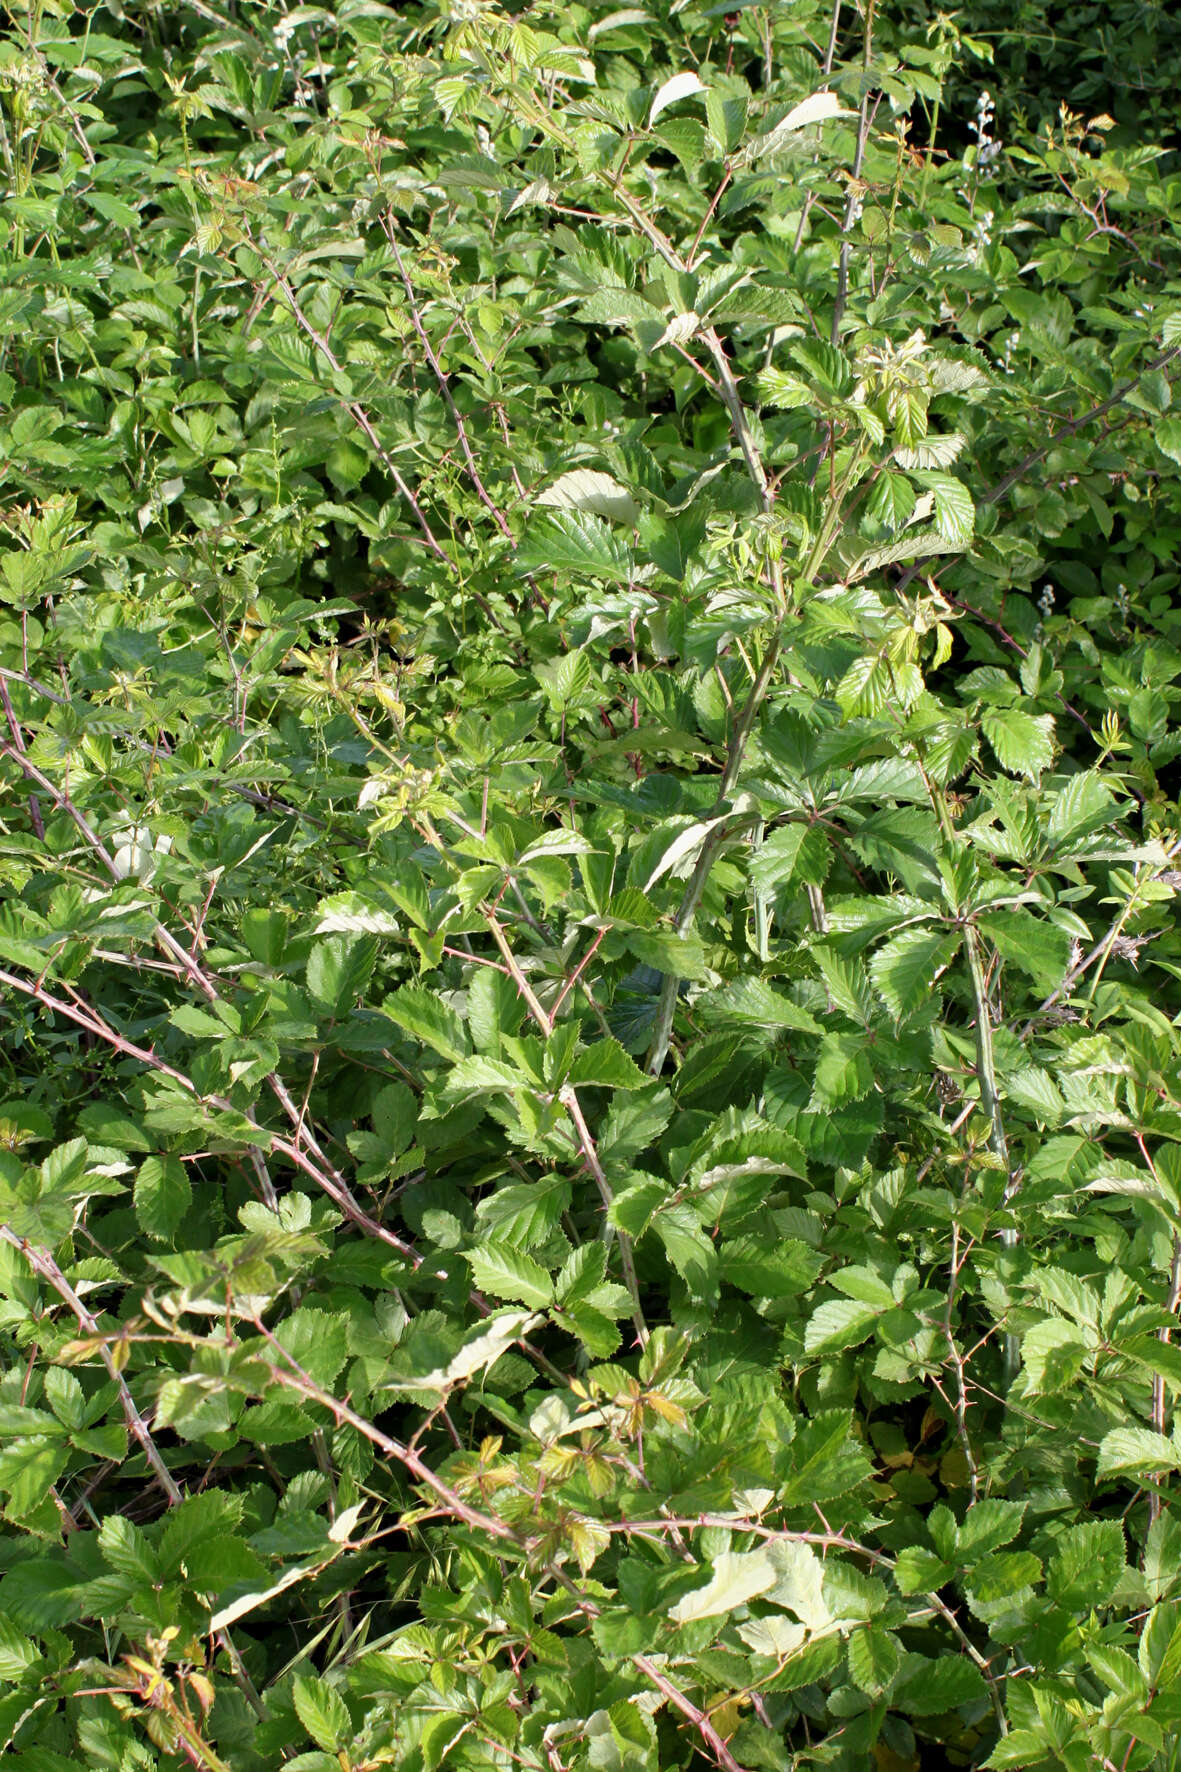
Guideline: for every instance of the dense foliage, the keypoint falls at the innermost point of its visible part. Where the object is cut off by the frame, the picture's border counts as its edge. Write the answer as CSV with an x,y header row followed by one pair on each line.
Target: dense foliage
x,y
590,1153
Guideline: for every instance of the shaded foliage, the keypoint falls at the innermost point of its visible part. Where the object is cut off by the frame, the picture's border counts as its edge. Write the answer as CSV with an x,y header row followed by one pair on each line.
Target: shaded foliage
x,y
589,1166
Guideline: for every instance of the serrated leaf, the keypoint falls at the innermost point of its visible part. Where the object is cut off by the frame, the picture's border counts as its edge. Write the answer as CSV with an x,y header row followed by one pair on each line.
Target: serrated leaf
x,y
677,87
919,1571
126,1549
338,971
606,1065
17,1653
987,1525
1087,1565
874,1658
564,679
843,1071
1136,1452
588,489
1040,948
482,1076
1053,1352
753,1003
1167,434
726,115
1022,743
162,1195
817,108
933,452
873,682
317,1340
28,1469
479,1352
735,1578
578,543
841,1323
891,502
424,1016
799,1583
509,1273
905,970
322,1711
955,513
927,1688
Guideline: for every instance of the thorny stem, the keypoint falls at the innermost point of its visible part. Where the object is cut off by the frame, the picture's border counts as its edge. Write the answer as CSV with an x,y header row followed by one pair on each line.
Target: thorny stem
x,y
991,1103
627,1258
293,1375
825,1541
328,1180
687,1708
569,1099
1071,426
736,752
957,1362
43,1264
444,385
18,740
863,127
1164,1334
986,1078
1099,952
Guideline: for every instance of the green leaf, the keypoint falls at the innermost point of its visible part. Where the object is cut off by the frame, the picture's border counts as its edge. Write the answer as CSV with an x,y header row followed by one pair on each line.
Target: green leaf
x,y
891,502
28,1469
1018,1750
752,1003
955,514
843,1071
735,1578
987,1525
1167,435
1053,1353
322,1711
726,115
1038,947
575,542
843,1322
1022,743
317,1340
1136,1452
826,1460
478,1352
774,861
1160,1646
339,968
905,970
163,1194
919,1571
564,679
40,1595
1003,1575
126,1549
874,1658
508,1273
606,1065
483,1076
928,1688
1087,1565
17,1653
425,1017
586,489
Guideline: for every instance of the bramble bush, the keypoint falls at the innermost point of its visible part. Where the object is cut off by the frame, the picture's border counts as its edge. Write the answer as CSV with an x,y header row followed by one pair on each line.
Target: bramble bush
x,y
590,1141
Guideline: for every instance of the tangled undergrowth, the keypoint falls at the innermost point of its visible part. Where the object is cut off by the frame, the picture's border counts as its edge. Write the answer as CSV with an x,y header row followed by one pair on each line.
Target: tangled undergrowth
x,y
590,1153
